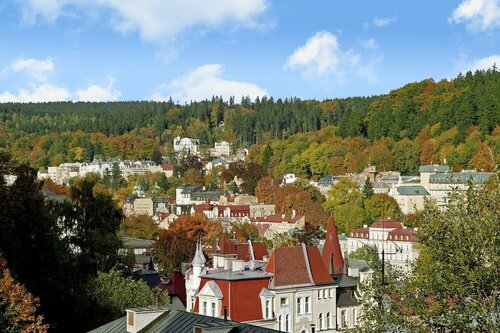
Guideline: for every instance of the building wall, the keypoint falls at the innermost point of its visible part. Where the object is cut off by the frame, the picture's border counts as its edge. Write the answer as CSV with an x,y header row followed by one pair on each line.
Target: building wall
x,y
143,206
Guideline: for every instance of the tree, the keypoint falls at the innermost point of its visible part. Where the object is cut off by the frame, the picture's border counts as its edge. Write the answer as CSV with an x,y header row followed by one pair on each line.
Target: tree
x,y
380,206
455,282
367,188
91,222
18,308
172,248
139,226
368,253
113,294
265,190
245,231
192,226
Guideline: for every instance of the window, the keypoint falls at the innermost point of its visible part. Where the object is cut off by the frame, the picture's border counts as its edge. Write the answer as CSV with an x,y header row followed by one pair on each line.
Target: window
x,y
328,320
307,303
287,322
355,316
320,294
320,321
299,305
212,309
331,293
343,318
269,308
325,293
204,308
283,301
280,324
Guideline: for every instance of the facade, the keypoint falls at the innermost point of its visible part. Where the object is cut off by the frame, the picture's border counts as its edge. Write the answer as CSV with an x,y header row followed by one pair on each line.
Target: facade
x,y
398,242
213,211
262,210
186,145
222,148
163,219
141,248
410,198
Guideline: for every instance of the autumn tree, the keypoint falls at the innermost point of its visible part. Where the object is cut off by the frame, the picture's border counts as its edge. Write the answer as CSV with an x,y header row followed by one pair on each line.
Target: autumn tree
x,y
172,248
18,308
139,226
265,190
380,206
192,226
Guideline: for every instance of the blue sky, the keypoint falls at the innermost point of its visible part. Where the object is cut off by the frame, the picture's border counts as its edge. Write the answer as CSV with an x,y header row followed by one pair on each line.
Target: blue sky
x,y
94,50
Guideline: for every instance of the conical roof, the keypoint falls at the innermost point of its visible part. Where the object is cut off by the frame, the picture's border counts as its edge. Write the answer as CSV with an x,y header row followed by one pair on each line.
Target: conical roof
x,y
199,258
332,254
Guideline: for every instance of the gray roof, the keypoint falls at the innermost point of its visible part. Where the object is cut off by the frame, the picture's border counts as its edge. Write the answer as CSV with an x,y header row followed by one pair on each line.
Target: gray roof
x,y
236,275
175,321
346,282
434,168
136,243
362,265
49,195
345,299
461,177
412,190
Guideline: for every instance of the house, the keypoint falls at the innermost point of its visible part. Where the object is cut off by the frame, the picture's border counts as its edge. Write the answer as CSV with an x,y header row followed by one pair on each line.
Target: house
x,y
242,199
163,220
397,242
163,320
262,210
289,178
186,145
278,223
167,169
227,247
141,248
410,198
221,148
175,287
213,211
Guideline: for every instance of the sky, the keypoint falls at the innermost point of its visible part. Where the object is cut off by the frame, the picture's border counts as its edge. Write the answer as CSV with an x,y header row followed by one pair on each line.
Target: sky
x,y
109,50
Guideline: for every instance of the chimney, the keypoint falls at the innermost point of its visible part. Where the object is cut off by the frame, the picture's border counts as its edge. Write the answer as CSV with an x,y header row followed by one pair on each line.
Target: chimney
x,y
138,318
265,258
293,213
238,265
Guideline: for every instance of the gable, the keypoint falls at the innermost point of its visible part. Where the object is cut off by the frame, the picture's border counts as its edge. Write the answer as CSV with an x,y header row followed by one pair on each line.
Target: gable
x,y
211,289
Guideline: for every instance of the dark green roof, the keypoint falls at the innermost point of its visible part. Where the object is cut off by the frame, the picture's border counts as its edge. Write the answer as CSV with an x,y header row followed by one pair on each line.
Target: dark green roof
x,y
175,321
434,168
412,190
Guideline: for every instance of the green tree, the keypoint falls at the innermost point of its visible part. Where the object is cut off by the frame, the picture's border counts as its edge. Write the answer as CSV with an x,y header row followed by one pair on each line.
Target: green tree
x,y
367,188
368,253
380,206
113,294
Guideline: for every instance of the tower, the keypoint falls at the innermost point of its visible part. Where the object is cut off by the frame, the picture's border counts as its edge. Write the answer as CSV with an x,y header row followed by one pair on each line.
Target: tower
x,y
332,254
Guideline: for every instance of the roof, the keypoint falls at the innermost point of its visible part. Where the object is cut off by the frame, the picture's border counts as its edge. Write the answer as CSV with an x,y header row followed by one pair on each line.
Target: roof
x,y
461,177
183,322
359,233
345,281
277,218
332,254
387,224
362,265
224,274
167,167
50,195
242,250
175,321
174,285
152,278
412,190
434,168
406,234
345,299
136,243
299,265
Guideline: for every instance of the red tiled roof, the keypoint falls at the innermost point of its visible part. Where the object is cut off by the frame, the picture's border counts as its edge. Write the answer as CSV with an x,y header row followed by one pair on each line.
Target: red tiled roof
x,y
242,250
167,167
332,254
359,233
175,286
262,228
202,207
387,224
297,265
406,235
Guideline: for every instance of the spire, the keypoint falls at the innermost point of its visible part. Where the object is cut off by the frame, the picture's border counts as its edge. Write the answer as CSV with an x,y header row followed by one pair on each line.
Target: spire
x,y
199,258
332,254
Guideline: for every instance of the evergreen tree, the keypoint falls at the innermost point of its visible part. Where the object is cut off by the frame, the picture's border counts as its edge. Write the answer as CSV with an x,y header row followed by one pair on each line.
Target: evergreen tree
x,y
367,188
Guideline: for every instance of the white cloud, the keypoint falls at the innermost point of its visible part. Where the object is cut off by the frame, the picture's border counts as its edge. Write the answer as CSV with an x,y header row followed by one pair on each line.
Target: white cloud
x,y
477,14
321,57
96,93
155,20
370,44
384,22
483,63
34,67
42,93
380,22
203,83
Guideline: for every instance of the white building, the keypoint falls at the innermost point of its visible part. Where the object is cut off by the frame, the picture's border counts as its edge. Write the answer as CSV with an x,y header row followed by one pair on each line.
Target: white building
x,y
222,148
186,145
397,242
410,198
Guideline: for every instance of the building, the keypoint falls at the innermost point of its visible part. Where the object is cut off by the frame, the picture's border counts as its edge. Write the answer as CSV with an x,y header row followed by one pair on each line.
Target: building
x,y
164,320
262,210
186,145
141,248
175,287
441,184
167,169
163,219
242,199
397,242
278,223
213,211
410,198
222,148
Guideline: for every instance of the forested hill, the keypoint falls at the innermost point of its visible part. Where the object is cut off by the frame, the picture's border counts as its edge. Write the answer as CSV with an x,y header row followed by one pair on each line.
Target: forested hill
x,y
51,133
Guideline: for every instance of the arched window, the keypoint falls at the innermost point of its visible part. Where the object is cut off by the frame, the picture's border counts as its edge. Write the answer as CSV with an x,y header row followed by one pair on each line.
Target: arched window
x,y
328,320
320,321
280,326
287,323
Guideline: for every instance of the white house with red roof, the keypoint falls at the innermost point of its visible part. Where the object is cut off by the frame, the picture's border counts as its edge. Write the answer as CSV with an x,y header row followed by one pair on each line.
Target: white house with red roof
x,y
213,211
277,223
388,235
